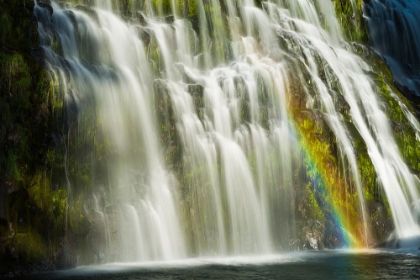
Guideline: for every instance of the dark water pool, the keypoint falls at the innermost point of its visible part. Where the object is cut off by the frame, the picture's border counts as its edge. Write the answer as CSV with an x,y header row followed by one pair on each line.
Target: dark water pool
x,y
308,265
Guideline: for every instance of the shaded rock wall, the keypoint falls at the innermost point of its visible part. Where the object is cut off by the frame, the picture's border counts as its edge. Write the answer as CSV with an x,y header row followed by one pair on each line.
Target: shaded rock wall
x,y
31,208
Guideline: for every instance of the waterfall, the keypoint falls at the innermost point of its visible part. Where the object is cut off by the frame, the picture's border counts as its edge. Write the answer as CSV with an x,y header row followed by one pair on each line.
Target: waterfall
x,y
394,28
194,114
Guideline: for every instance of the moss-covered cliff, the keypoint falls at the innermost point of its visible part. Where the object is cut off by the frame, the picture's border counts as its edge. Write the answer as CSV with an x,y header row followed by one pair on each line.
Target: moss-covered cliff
x,y
31,209
36,218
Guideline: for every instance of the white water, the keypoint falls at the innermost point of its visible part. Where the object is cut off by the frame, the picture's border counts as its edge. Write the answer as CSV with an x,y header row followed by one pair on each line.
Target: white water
x,y
228,90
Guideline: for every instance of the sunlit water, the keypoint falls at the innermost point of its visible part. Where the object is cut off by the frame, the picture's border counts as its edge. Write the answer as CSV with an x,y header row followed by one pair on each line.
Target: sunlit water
x,y
299,265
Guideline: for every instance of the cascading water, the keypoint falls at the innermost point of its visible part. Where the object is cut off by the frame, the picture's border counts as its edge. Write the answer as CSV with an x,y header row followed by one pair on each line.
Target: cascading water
x,y
394,27
222,180
149,226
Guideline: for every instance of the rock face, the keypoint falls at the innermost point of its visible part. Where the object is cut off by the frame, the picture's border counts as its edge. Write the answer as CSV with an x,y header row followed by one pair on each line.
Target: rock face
x,y
46,4
30,210
32,144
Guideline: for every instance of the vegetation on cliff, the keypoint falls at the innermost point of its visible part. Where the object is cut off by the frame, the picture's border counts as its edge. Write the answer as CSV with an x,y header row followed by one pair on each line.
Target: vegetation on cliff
x,y
31,209
35,213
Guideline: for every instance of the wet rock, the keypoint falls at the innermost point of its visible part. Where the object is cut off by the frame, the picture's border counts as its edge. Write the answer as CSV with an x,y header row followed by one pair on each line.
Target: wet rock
x,y
313,235
170,19
29,5
65,257
143,35
381,224
195,24
39,55
416,210
46,4
342,105
160,87
409,93
96,237
197,93
34,32
163,101
141,18
311,241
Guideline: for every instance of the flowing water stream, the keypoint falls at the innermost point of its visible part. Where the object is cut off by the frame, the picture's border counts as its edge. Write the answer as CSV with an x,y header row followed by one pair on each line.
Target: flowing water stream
x,y
394,28
225,84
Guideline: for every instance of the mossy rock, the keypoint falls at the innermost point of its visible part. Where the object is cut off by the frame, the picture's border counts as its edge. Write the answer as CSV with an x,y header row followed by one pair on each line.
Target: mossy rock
x,y
350,16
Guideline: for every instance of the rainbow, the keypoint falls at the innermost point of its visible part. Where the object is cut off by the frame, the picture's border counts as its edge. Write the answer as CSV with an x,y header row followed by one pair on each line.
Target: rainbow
x,y
329,187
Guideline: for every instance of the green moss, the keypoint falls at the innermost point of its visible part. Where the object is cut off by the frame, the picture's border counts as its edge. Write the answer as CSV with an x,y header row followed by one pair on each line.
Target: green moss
x,y
393,100
38,215
5,26
367,172
183,8
15,20
368,195
77,219
162,7
350,16
192,8
331,190
11,166
27,103
315,211
30,246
